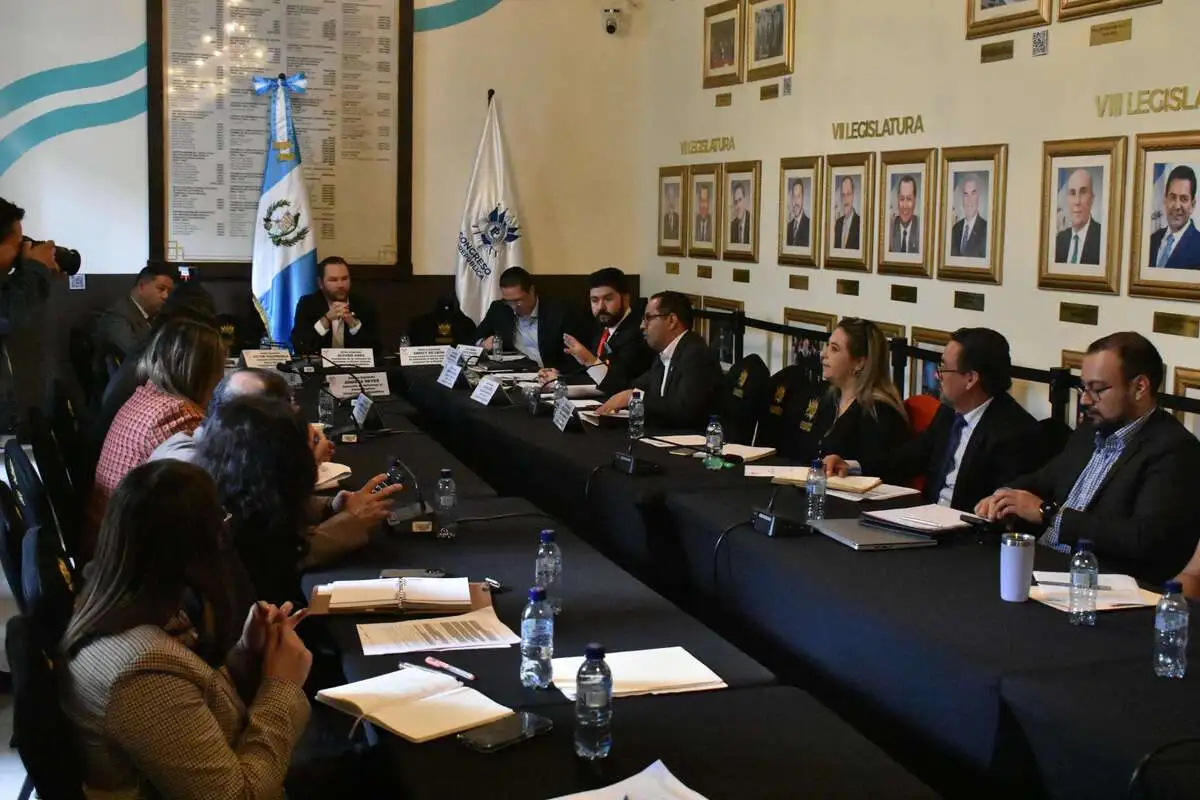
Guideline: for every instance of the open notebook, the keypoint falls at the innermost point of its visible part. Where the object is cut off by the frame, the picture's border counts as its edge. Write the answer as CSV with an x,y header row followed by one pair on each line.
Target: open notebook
x,y
664,670
798,476
421,595
743,451
416,704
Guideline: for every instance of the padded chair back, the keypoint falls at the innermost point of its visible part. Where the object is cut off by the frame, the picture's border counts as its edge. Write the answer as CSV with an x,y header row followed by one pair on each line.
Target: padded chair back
x,y
68,424
743,398
12,532
1169,772
27,486
47,583
1053,434
921,409
42,733
65,502
788,393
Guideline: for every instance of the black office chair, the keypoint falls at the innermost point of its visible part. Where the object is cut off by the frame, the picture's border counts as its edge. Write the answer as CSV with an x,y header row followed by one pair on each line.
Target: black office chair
x,y
1168,772
65,502
68,425
47,583
41,732
743,398
1053,435
787,396
27,486
12,532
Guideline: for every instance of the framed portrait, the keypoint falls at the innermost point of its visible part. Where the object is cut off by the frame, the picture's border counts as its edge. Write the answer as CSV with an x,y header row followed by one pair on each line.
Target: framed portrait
x,y
1075,9
971,225
740,211
992,17
850,178
1073,360
1083,213
720,333
908,182
704,200
922,375
800,210
1164,259
724,61
672,210
891,330
801,350
770,45
1187,384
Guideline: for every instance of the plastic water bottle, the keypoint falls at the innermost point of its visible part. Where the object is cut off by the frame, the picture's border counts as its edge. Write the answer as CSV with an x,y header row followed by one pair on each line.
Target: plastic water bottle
x,y
1170,633
446,498
637,415
1085,577
714,444
560,390
815,490
593,706
326,406
547,569
537,641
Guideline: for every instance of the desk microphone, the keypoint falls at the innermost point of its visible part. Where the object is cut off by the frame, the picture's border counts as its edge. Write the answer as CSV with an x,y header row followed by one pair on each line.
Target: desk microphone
x,y
769,523
627,463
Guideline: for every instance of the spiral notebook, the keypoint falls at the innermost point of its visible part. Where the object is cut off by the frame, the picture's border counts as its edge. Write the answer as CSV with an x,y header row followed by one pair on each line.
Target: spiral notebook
x,y
419,595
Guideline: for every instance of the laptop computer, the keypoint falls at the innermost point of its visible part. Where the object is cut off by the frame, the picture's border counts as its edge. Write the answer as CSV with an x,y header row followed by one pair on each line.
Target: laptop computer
x,y
852,533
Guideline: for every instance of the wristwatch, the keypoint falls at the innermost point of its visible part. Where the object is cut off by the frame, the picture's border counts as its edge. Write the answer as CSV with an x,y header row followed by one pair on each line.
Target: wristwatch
x,y
1048,509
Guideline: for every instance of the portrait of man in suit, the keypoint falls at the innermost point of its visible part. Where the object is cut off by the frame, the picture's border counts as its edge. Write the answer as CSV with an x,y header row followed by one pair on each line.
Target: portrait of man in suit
x,y
721,44
703,230
740,218
1177,244
905,235
670,219
1079,241
798,220
847,228
969,236
768,32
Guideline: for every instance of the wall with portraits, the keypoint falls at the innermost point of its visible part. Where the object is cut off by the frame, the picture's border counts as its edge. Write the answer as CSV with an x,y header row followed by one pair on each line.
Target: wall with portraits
x,y
898,158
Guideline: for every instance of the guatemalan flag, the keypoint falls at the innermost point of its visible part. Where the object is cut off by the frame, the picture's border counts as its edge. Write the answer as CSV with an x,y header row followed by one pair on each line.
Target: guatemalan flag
x,y
489,240
285,252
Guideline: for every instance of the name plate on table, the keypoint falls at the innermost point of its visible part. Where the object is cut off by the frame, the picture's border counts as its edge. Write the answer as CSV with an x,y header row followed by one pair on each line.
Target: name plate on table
x,y
374,384
451,357
485,390
469,351
449,376
360,410
349,356
564,416
265,359
423,356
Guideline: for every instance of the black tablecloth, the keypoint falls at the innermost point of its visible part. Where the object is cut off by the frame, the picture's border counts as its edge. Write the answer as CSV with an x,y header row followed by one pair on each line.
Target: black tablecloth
x,y
601,603
749,743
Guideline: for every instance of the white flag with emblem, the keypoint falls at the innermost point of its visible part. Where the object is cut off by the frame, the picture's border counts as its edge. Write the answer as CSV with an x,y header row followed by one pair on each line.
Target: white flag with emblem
x,y
489,240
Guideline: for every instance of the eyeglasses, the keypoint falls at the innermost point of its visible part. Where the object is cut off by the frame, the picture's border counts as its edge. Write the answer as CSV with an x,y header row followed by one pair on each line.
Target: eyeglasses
x,y
648,317
1092,392
943,370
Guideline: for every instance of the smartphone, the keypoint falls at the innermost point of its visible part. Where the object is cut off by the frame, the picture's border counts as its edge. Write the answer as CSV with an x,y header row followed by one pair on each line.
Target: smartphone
x,y
683,451
501,733
395,477
983,523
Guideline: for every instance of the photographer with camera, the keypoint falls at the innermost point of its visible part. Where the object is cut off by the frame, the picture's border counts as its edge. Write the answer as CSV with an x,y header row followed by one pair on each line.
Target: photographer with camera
x,y
28,267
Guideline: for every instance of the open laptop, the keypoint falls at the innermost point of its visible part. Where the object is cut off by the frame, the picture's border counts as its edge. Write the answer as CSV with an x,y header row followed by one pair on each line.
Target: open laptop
x,y
852,533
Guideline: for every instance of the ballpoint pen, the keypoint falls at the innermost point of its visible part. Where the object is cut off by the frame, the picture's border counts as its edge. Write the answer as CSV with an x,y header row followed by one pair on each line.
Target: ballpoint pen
x,y
1068,585
462,673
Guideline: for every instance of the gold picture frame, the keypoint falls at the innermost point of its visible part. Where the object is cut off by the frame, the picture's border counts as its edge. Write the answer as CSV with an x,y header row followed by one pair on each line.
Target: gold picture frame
x,y
891,330
1071,359
672,177
922,375
704,227
1075,173
800,236
724,345
770,38
723,59
1077,9
994,21
1187,379
796,347
1155,175
907,184
968,250
842,171
741,237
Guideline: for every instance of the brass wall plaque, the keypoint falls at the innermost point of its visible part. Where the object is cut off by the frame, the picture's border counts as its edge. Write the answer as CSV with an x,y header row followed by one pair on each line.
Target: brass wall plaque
x,y
1177,324
996,51
904,294
704,271
741,276
845,286
1079,314
672,267
969,301
798,282
1112,32
768,92
724,99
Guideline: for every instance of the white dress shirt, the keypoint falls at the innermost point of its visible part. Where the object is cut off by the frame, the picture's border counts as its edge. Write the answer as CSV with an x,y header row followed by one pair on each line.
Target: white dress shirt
x,y
1082,234
968,229
323,326
599,371
971,418
665,356
1170,247
525,336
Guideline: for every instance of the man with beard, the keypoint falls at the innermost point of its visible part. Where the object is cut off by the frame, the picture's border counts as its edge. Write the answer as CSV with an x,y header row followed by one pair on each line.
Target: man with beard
x,y
1177,246
846,229
798,225
618,352
334,316
1125,481
906,225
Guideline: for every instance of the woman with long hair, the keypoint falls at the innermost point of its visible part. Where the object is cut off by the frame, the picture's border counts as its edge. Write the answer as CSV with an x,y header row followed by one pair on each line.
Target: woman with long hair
x,y
168,694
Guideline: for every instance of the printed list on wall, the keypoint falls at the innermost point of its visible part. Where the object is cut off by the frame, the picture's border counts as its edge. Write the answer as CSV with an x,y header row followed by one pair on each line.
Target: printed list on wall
x,y
216,126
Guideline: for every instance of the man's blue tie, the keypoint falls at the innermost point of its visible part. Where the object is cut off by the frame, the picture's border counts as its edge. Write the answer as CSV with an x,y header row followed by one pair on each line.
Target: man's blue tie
x,y
1164,251
956,431
1075,249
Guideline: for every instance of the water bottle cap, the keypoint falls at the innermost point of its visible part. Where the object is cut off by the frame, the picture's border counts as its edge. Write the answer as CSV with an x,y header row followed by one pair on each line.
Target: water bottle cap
x,y
1083,544
817,464
1172,587
537,594
595,651
546,536
712,418
446,473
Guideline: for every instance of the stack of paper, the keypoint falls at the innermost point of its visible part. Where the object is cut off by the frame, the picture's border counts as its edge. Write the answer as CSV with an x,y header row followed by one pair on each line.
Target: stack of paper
x,y
655,781
405,594
329,475
666,670
1122,592
576,391
851,484
927,519
743,451
592,418
416,704
477,630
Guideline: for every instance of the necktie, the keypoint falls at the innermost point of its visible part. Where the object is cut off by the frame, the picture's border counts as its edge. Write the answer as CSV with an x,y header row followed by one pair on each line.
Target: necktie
x,y
703,230
603,342
1164,252
966,237
948,462
339,333
1075,249
904,241
845,230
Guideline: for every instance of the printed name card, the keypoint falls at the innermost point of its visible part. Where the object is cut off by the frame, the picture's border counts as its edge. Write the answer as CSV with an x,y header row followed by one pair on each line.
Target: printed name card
x,y
485,390
349,356
449,376
563,414
423,356
470,351
266,359
362,407
451,357
374,384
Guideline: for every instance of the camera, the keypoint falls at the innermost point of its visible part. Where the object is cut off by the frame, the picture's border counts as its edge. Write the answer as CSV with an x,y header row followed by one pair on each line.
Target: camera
x,y
69,261
612,21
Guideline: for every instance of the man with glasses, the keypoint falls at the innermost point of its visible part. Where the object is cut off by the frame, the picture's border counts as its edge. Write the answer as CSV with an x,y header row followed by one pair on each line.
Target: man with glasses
x,y
980,439
680,389
1126,480
535,326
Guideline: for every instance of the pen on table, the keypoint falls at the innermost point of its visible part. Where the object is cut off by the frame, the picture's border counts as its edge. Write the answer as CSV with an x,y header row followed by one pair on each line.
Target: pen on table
x,y
462,673
1068,585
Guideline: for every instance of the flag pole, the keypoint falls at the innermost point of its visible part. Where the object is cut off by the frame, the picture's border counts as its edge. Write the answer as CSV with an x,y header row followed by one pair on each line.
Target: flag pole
x,y
491,94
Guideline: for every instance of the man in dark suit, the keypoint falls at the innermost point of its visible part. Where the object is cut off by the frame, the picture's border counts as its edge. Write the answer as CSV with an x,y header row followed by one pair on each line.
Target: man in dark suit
x,y
681,388
125,324
906,225
528,322
334,316
980,438
1126,480
1177,246
670,220
739,224
618,352
798,225
846,229
968,238
703,232
1080,243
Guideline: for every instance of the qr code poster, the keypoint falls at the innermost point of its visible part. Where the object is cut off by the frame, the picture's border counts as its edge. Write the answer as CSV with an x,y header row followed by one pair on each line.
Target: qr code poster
x,y
1041,42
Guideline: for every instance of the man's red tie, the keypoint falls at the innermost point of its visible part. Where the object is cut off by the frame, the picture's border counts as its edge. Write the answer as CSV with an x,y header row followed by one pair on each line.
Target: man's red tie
x,y
603,341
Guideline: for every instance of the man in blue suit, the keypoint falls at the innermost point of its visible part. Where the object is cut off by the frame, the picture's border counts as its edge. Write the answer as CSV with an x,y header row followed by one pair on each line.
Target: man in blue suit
x,y
1177,246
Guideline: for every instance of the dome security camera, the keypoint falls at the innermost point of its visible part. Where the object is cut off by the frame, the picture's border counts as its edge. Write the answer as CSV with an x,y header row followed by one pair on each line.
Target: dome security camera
x,y
612,21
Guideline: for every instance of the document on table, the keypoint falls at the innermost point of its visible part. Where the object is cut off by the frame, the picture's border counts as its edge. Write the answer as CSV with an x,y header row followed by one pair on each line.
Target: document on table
x,y
577,390
1123,592
930,518
477,630
655,782
329,474
743,451
851,487
665,670
514,377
